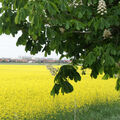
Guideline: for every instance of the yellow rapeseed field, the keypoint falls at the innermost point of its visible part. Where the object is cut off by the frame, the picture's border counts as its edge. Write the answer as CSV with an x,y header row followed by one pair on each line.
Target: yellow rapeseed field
x,y
25,92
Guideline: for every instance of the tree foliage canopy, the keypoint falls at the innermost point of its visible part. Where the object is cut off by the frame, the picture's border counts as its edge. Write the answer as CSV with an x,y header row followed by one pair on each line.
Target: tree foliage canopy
x,y
79,30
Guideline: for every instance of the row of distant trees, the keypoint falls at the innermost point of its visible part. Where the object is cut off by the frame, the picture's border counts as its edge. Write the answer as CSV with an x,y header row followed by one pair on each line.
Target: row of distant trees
x,y
9,60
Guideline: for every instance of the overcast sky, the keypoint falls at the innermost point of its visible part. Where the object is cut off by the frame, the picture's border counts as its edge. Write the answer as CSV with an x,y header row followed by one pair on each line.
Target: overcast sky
x,y
9,49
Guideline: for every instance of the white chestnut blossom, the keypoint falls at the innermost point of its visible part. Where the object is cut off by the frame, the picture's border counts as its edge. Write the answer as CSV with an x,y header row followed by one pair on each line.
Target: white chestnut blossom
x,y
52,70
102,9
81,2
62,30
76,3
107,34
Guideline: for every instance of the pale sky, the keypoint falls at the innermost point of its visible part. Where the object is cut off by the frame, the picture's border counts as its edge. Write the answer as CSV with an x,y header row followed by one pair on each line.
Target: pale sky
x,y
9,49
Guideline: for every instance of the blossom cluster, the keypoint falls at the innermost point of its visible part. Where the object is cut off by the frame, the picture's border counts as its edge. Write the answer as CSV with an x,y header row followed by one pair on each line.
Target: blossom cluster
x,y
102,9
107,33
52,70
76,3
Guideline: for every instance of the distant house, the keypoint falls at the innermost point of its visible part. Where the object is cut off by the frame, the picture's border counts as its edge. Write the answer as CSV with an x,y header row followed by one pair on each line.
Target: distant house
x,y
30,61
1,60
